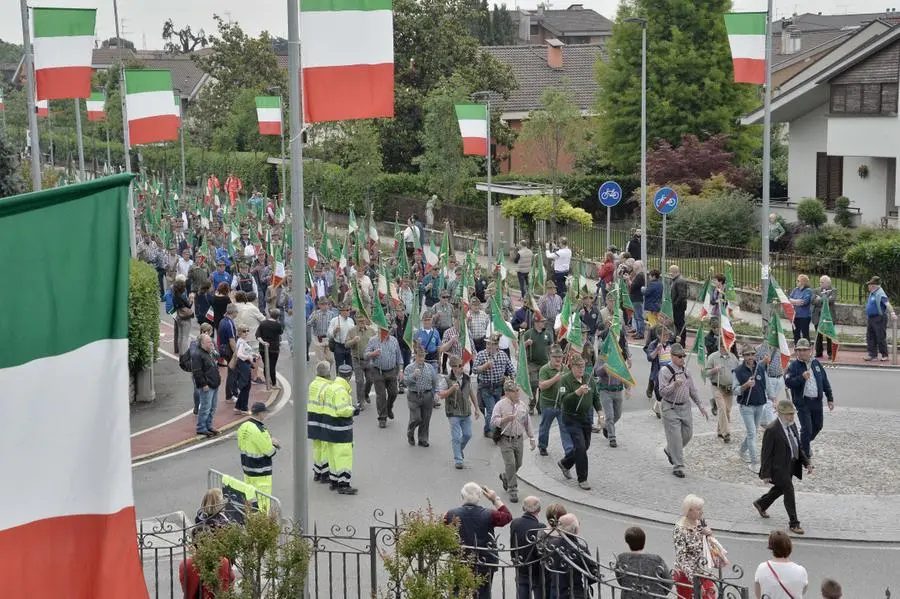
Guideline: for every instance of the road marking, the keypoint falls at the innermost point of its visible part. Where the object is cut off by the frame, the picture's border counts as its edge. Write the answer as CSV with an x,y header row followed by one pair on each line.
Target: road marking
x,y
170,420
286,393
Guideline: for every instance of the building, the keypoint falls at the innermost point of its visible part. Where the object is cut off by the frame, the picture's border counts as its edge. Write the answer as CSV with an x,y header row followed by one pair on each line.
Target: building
x,y
538,68
573,25
843,125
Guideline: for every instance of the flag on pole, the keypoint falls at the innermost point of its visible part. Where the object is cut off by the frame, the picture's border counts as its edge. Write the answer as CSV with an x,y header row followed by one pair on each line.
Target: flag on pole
x,y
2,106
730,292
706,299
826,328
522,379
700,349
352,227
777,294
616,365
565,315
347,56
373,230
75,517
466,342
538,278
431,256
150,102
96,107
667,304
777,339
473,127
177,102
268,113
727,331
573,334
498,324
42,107
747,39
63,50
378,317
412,324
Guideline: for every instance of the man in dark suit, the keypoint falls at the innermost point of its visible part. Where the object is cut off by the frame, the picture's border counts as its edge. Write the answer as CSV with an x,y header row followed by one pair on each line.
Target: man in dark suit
x,y
523,536
783,458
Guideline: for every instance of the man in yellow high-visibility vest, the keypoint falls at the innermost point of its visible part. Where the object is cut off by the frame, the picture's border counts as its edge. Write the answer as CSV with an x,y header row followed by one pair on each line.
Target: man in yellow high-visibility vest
x,y
314,422
339,413
257,447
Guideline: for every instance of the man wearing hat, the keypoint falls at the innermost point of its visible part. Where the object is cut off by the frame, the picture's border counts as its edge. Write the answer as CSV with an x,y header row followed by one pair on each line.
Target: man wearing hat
x,y
783,458
338,415
357,341
807,381
318,321
338,330
459,397
510,415
720,366
578,395
877,308
386,362
549,377
537,342
677,391
550,304
257,447
421,383
749,387
316,426
478,324
429,339
492,367
220,275
243,280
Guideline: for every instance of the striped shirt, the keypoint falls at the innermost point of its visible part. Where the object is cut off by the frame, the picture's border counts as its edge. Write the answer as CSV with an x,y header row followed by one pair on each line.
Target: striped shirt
x,y
319,321
550,306
390,356
520,425
674,393
451,336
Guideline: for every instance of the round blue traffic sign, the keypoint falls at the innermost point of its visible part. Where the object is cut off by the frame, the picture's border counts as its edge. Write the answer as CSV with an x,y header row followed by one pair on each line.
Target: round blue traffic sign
x,y
610,194
666,200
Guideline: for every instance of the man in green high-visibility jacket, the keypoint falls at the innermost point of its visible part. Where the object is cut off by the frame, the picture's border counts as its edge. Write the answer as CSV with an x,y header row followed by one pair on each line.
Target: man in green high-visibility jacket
x,y
257,447
338,415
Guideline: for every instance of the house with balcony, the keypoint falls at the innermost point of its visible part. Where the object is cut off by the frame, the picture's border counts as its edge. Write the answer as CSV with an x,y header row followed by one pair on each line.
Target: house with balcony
x,y
572,25
843,126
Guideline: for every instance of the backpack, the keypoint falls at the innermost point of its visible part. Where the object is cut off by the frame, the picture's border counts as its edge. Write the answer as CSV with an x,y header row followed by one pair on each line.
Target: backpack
x,y
185,360
245,283
169,298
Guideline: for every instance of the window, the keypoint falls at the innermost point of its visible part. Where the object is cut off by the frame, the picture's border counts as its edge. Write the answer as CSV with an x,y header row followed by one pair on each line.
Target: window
x,y
864,98
829,178
535,29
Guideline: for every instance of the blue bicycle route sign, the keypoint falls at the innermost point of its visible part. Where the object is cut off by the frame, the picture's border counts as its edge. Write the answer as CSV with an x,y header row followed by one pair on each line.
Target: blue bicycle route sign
x,y
610,194
666,200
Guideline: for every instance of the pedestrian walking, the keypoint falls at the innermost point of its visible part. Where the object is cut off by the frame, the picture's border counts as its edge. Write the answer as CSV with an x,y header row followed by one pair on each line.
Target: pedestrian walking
x,y
383,352
184,313
227,337
319,321
338,329
269,334
633,247
510,415
550,304
775,388
578,396
524,533
549,378
316,425
206,382
492,366
460,403
242,364
659,352
779,577
877,308
749,384
653,298
801,298
357,340
522,259
641,575
783,458
257,447
720,367
421,380
636,283
338,418
679,303
826,294
808,383
676,387
538,341
429,339
562,264
611,392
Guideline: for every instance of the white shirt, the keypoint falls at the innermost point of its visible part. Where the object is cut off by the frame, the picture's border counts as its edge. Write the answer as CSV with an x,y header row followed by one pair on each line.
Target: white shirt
x,y
562,259
346,325
793,577
408,235
249,315
184,266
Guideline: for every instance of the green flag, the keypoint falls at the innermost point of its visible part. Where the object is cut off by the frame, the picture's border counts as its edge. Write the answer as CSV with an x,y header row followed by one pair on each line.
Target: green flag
x,y
730,293
826,328
522,371
537,274
667,303
573,334
378,317
700,350
500,325
616,366
565,315
324,249
412,324
352,227
624,297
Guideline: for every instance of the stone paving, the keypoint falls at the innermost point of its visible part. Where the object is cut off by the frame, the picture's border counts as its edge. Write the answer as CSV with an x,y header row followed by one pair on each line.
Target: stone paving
x,y
852,494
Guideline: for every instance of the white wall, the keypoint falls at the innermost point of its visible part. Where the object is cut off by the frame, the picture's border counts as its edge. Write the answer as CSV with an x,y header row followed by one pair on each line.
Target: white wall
x,y
863,136
806,136
869,194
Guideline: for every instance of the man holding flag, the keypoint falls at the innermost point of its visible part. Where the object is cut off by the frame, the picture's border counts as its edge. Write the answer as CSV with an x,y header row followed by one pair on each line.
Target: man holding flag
x,y
677,390
491,365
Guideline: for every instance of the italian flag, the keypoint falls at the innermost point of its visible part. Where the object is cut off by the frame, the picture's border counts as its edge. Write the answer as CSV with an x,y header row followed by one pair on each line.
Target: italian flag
x,y
42,107
150,102
268,113
466,342
2,106
63,45
96,107
777,294
473,128
69,529
747,38
706,299
177,99
348,59
727,331
312,258
777,339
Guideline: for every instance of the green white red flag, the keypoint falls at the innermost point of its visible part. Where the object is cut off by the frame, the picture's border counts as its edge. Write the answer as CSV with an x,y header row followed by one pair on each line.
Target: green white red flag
x,y
42,107
826,328
473,126
150,103
96,107
777,339
347,54
63,47
466,342
726,330
70,531
777,294
268,114
747,39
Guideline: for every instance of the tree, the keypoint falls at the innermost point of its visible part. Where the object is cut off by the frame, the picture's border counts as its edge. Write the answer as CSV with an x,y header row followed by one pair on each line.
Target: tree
x,y
693,162
502,26
355,146
690,87
186,41
552,130
443,164
239,131
114,43
10,178
10,53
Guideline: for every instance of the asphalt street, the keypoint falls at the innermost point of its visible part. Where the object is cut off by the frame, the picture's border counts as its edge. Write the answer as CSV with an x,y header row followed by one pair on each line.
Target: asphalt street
x,y
393,476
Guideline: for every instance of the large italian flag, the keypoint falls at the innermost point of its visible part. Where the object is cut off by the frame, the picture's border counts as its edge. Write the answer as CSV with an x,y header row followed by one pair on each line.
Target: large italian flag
x,y
747,38
150,102
473,128
268,113
63,45
348,59
67,519
96,107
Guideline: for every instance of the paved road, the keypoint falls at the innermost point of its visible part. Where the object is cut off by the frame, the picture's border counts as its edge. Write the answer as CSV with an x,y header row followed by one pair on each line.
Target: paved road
x,y
390,475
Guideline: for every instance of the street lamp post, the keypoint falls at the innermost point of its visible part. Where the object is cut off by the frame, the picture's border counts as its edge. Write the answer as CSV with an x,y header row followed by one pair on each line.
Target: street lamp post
x,y
486,96
643,23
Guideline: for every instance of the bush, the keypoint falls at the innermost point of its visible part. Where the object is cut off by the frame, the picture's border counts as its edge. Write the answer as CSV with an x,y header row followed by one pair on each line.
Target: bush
x,y
842,214
728,220
829,241
530,209
143,315
811,212
878,257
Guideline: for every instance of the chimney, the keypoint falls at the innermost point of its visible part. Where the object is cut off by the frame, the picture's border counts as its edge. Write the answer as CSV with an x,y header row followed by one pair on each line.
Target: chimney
x,y
554,53
524,26
796,40
786,44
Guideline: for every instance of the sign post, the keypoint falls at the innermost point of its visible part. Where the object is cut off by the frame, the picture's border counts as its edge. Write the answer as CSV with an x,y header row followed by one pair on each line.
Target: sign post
x,y
609,194
665,201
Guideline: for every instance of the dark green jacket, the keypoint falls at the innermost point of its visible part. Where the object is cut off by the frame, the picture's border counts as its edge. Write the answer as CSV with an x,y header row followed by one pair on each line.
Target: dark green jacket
x,y
574,406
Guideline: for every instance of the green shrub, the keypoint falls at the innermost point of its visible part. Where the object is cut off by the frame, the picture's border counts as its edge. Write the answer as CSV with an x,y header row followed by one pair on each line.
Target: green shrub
x,y
811,212
728,220
830,241
529,209
878,257
143,315
842,214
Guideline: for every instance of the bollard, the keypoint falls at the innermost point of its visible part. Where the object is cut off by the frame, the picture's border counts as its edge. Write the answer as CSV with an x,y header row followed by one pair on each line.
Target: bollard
x,y
266,366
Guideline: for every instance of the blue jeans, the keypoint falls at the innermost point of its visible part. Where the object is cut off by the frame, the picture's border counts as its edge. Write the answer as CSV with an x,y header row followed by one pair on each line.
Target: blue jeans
x,y
638,319
810,417
548,415
753,417
523,283
489,397
206,409
460,433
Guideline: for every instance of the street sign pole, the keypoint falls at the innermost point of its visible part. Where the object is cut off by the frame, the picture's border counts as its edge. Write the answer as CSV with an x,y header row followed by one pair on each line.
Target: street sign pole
x,y
609,194
662,262
608,229
665,201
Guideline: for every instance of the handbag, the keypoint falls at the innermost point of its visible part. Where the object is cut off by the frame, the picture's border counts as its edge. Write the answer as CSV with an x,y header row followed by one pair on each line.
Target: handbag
x,y
778,578
185,313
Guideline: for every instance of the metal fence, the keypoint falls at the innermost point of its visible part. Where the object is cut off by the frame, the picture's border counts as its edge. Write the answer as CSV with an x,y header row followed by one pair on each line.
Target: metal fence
x,y
348,563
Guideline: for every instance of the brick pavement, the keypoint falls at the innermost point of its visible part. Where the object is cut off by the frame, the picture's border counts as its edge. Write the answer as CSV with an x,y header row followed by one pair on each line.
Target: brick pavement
x,y
635,479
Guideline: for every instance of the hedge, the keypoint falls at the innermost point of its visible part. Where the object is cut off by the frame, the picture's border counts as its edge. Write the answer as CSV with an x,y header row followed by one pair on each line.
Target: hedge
x,y
143,315
878,257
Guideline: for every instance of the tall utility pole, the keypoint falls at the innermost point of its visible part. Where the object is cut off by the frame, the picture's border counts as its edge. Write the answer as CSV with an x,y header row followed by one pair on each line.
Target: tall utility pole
x,y
80,139
126,145
298,266
643,23
767,168
30,100
486,96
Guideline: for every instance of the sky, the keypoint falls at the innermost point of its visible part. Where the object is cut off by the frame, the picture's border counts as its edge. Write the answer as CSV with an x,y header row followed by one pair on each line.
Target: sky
x,y
143,19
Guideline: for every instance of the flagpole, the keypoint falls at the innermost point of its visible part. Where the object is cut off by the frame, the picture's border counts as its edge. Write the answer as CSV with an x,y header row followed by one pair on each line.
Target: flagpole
x,y
80,139
108,153
283,169
30,100
767,168
298,260
125,141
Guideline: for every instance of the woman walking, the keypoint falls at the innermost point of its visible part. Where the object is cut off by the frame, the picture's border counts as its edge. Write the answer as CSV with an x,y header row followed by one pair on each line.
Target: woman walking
x,y
243,360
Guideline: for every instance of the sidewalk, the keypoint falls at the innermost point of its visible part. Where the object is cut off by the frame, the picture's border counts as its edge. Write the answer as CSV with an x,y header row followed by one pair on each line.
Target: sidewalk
x,y
169,423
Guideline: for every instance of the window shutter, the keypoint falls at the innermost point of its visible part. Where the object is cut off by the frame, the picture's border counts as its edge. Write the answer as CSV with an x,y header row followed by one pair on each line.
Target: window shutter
x,y
821,175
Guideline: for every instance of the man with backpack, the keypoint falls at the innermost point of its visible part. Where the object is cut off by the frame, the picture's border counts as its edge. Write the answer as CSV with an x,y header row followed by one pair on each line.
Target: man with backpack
x,y
186,359
243,280
429,339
